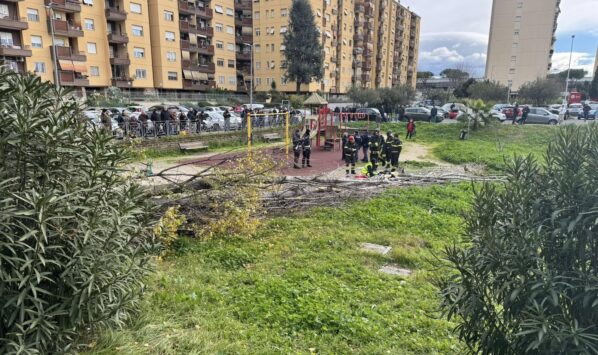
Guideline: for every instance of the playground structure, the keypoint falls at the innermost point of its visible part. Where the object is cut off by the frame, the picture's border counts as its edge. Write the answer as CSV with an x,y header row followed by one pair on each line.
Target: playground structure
x,y
332,125
256,116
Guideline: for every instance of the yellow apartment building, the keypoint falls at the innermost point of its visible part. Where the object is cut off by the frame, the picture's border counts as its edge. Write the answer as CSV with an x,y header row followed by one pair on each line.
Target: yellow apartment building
x,y
195,45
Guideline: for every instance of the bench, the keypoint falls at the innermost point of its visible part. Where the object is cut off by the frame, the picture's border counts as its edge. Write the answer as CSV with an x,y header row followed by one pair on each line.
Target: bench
x,y
271,137
193,146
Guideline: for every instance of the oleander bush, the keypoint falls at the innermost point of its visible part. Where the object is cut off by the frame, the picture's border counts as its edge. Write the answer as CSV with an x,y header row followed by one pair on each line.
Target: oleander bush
x,y
76,238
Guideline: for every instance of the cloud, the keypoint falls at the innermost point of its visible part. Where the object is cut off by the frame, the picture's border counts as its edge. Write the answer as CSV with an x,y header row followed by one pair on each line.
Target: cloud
x,y
579,60
442,50
442,54
578,16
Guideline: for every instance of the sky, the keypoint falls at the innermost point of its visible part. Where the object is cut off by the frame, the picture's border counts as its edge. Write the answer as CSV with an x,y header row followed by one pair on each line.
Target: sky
x,y
454,33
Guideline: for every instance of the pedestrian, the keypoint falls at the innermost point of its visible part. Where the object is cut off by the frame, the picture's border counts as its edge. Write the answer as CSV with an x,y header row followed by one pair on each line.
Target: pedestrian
x,y
365,145
376,144
244,118
306,145
106,120
401,113
515,113
396,146
524,114
226,116
385,156
155,117
433,114
383,115
297,148
165,115
344,139
350,150
586,112
410,128
358,144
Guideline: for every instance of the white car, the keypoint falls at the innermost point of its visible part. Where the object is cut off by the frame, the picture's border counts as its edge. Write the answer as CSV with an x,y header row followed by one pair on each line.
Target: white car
x,y
499,115
215,121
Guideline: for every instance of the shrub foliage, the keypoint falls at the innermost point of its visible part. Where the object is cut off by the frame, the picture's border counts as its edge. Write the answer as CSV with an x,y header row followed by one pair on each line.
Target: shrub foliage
x,y
528,282
75,232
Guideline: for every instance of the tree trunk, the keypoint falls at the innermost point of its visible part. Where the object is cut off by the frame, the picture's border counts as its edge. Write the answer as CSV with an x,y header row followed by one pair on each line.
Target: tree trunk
x,y
298,87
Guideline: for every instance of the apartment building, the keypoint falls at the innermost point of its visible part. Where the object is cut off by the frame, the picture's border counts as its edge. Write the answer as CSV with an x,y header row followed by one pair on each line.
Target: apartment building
x,y
521,40
198,45
406,49
595,64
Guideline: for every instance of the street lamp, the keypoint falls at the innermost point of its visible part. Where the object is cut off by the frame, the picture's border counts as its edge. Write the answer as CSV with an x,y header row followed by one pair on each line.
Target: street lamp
x,y
568,72
55,57
251,73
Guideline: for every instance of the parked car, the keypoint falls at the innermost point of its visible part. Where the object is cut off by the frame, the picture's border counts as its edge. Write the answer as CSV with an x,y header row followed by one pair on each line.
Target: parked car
x,y
418,113
508,111
215,121
540,115
499,116
373,114
575,110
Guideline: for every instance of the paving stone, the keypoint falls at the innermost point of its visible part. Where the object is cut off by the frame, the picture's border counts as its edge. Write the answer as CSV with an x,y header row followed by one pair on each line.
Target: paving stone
x,y
395,270
375,248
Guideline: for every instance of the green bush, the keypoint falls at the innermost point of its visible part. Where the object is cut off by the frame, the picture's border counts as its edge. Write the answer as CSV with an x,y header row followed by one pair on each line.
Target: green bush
x,y
528,282
75,232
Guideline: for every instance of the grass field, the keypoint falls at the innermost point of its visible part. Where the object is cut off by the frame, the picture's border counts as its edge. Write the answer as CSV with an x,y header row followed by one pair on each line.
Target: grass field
x,y
304,286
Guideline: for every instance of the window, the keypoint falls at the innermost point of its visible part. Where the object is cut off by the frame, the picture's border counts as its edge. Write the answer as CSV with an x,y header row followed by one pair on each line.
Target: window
x,y
272,13
88,2
230,12
519,4
91,48
32,15
256,15
258,48
272,45
89,25
258,81
230,30
171,56
59,42
220,62
283,80
231,63
138,52
168,16
137,31
6,39
218,9
135,8
36,41
284,12
221,79
94,71
258,65
283,30
140,74
232,80
219,27
172,75
39,67
4,10
268,81
257,32
230,47
516,33
219,44
169,36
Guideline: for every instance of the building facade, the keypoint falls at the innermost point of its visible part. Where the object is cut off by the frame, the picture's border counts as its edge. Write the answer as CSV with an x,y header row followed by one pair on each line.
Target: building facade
x,y
521,40
199,45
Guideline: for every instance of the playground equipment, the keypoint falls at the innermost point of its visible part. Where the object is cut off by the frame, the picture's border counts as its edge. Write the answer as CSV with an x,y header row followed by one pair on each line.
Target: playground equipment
x,y
260,120
331,126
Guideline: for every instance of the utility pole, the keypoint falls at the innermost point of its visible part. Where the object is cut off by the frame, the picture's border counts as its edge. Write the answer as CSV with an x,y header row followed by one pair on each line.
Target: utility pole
x,y
251,73
568,72
55,57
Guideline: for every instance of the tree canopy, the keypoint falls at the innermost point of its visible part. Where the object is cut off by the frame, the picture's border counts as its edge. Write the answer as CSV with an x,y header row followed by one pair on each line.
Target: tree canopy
x,y
424,74
527,280
540,91
488,91
303,51
455,74
576,74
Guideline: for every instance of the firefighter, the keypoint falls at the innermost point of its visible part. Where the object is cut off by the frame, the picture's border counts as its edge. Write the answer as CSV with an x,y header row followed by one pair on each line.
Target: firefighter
x,y
297,148
350,154
386,151
396,146
306,145
376,144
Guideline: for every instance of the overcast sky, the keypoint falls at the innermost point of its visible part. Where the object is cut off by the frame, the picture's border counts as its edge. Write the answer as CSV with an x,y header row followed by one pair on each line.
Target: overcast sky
x,y
455,33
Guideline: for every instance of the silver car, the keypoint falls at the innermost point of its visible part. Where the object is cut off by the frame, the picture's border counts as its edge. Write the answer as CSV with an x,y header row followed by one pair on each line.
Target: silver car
x,y
540,115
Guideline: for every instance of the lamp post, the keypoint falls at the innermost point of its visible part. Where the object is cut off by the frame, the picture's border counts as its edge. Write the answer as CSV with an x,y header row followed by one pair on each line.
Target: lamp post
x,y
55,57
568,72
251,73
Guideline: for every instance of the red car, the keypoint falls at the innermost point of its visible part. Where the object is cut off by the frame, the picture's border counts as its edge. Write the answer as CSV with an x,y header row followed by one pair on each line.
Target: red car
x,y
508,111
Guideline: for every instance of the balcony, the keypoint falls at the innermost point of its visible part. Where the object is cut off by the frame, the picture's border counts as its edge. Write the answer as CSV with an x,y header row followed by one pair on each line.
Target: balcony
x,y
115,14
244,39
122,82
209,68
205,50
120,59
186,27
69,6
241,87
68,53
243,5
198,85
66,29
14,23
205,31
204,13
186,8
243,55
185,45
244,22
118,38
14,51
69,78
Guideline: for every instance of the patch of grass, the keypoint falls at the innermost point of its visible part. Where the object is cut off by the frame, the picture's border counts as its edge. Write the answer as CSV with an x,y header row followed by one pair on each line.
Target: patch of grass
x,y
489,146
304,286
418,164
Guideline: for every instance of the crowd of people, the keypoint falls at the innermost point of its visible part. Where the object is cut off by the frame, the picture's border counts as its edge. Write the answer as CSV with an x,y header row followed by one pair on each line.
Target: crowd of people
x,y
383,152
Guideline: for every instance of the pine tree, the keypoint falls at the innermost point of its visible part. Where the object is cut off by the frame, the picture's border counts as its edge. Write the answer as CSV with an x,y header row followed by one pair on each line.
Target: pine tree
x,y
303,50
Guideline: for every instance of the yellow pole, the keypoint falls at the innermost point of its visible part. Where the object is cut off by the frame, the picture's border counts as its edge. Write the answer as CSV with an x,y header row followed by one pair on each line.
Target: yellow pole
x,y
286,133
248,132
